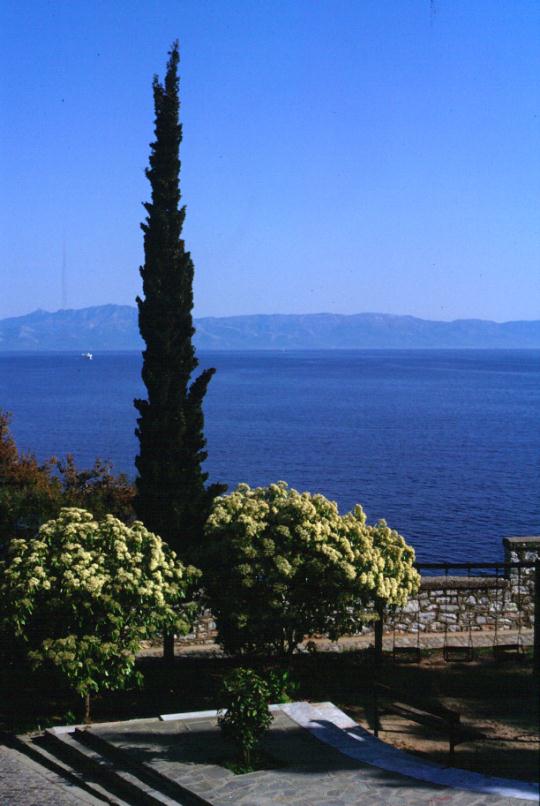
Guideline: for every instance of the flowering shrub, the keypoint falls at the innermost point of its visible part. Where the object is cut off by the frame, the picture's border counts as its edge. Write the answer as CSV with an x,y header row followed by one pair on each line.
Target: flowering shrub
x,y
280,565
83,594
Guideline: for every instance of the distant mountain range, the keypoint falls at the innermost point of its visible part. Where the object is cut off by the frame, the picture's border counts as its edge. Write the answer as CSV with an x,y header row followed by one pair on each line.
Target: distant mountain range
x,y
114,327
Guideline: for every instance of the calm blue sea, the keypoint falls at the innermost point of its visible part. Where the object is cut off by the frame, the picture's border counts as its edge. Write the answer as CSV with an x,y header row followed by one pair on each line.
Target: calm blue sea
x,y
443,444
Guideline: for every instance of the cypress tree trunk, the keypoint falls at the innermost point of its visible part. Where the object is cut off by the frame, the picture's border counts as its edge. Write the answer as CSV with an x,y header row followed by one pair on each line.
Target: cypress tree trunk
x,y
171,497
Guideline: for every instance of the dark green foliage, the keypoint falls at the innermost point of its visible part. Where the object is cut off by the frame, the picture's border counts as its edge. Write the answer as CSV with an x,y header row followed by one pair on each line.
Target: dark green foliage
x,y
246,697
98,490
171,496
32,493
29,492
282,686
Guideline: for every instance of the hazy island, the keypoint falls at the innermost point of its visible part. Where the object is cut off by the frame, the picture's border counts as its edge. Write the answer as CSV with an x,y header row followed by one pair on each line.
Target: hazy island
x,y
114,327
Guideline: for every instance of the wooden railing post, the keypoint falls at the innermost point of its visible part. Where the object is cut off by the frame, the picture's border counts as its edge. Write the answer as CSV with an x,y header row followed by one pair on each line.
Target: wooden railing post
x,y
375,712
536,643
378,629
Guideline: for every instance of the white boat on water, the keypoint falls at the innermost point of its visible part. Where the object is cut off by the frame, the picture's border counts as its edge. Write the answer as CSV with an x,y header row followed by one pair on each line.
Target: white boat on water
x,y
88,356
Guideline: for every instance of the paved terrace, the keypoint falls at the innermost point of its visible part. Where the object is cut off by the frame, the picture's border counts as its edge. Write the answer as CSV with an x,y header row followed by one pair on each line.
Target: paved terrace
x,y
323,759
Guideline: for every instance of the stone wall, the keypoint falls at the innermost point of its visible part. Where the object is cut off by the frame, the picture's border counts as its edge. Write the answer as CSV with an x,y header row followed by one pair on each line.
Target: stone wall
x,y
453,603
460,603
204,630
522,549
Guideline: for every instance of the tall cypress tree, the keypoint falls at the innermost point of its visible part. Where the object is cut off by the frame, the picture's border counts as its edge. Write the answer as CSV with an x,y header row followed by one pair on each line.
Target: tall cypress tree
x,y
172,499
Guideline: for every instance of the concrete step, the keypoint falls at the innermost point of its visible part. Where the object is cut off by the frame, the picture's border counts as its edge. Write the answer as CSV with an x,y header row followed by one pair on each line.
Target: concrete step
x,y
58,783
113,777
153,777
84,779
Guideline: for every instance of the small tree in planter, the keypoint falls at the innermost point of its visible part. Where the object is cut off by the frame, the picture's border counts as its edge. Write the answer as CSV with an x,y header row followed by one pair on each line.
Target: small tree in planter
x,y
281,565
83,594
246,697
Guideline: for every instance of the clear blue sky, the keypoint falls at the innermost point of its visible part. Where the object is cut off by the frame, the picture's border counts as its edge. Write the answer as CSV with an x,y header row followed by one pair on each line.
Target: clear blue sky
x,y
338,155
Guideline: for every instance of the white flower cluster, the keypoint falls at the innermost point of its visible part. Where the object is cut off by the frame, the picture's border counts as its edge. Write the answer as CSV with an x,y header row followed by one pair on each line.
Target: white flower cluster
x,y
281,523
298,553
74,553
84,592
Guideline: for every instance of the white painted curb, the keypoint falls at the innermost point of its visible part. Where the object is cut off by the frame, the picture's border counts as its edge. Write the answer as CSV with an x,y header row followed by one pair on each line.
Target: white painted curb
x,y
330,725
202,714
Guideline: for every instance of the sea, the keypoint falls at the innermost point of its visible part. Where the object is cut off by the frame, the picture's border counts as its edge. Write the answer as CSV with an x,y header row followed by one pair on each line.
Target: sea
x,y
443,444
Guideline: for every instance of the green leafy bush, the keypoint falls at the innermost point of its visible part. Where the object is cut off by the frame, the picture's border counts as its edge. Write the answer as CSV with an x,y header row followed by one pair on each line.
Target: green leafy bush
x,y
282,686
245,696
280,565
83,594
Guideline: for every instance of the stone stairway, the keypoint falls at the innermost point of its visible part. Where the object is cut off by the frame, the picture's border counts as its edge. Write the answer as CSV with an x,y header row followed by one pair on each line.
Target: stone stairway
x,y
105,772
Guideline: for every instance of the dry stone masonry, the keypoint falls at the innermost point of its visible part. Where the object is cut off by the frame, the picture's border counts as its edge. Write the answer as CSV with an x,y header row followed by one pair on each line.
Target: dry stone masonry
x,y
459,603
453,603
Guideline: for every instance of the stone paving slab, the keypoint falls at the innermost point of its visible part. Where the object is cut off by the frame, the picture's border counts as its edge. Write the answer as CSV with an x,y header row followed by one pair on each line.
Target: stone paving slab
x,y
189,751
25,783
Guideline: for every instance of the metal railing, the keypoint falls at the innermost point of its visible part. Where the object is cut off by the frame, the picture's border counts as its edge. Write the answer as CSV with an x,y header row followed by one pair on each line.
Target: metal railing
x,y
497,567
478,566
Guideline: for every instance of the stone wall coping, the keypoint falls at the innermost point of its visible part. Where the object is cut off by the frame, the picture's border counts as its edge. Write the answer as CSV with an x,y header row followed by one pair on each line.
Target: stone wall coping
x,y
530,540
461,583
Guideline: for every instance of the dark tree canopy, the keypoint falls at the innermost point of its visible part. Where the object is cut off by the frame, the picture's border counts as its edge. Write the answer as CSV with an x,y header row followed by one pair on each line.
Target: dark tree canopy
x,y
172,499
32,492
